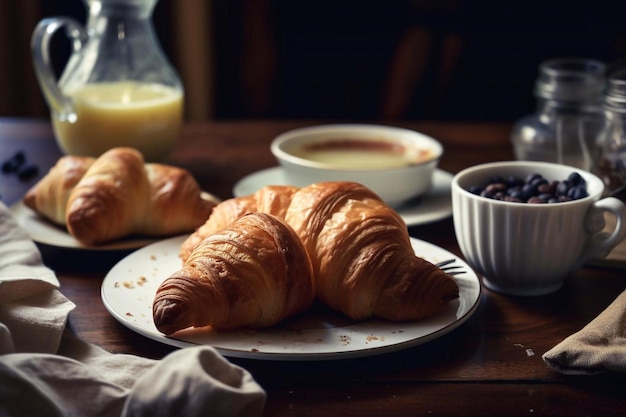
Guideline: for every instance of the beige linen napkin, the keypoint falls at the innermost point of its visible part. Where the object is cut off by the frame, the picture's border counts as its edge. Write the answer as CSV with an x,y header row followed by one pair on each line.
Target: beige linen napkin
x,y
599,347
30,305
46,371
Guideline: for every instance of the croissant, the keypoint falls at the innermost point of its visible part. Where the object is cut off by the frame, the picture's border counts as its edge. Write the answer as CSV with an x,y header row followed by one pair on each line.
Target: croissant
x,y
363,262
117,195
254,273
51,194
272,199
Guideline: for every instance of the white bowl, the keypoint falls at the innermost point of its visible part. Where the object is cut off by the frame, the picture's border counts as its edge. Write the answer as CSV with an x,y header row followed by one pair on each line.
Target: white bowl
x,y
529,249
395,163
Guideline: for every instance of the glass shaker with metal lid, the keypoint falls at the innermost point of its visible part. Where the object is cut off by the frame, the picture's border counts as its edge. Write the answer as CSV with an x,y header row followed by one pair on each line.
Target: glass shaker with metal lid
x,y
568,116
610,150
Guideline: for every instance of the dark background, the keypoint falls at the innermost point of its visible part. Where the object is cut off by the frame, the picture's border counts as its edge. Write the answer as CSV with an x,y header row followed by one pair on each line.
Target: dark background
x,y
474,60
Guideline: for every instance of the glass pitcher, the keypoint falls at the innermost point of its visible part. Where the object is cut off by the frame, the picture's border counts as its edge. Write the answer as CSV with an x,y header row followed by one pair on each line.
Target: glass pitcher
x,y
117,87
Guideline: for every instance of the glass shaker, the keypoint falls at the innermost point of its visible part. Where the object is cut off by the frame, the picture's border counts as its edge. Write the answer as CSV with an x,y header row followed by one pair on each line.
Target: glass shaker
x,y
117,88
610,150
568,117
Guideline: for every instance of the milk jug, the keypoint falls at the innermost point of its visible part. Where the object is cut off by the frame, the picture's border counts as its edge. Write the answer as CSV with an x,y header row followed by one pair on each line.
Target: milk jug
x,y
117,87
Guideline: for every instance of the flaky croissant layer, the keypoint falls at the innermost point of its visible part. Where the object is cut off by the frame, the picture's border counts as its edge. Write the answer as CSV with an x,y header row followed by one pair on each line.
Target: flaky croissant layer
x,y
253,273
362,259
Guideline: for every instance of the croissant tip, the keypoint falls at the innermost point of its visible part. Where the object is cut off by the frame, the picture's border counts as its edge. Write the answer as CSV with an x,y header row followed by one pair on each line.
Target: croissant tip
x,y
170,316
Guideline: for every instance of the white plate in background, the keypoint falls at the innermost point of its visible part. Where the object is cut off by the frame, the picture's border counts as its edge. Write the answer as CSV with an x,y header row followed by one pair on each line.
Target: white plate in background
x,y
46,232
435,205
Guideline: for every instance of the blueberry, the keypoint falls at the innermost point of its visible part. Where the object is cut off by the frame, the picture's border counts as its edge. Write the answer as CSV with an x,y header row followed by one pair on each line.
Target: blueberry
x,y
575,179
562,187
513,181
513,190
531,177
14,163
534,189
495,187
517,193
475,189
544,188
496,179
538,181
28,173
9,167
577,192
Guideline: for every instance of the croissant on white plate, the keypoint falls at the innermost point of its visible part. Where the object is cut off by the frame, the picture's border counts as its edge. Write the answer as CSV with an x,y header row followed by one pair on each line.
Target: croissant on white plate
x,y
254,273
273,200
117,195
363,262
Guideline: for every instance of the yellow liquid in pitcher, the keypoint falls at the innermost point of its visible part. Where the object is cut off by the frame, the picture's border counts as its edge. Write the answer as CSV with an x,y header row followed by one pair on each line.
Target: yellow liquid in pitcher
x,y
144,116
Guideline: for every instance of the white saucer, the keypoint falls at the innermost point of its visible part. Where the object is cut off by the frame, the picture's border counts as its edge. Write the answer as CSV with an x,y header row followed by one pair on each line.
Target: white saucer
x,y
48,233
43,231
433,206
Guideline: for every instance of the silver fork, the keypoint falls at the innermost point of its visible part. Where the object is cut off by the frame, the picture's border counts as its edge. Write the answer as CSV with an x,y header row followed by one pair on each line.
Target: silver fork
x,y
450,269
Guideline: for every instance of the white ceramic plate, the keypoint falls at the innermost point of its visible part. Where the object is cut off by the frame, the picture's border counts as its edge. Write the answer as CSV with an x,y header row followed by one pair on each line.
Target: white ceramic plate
x,y
319,334
434,205
48,233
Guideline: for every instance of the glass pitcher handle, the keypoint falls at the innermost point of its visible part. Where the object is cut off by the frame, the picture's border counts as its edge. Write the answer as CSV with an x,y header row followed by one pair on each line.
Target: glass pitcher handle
x,y
40,47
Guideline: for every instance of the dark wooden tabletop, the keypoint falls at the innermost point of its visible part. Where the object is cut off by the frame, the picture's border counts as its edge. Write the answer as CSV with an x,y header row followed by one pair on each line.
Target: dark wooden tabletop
x,y
490,365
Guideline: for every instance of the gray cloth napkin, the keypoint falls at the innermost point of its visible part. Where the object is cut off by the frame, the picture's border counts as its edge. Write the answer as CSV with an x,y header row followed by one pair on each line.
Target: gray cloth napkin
x,y
46,371
599,347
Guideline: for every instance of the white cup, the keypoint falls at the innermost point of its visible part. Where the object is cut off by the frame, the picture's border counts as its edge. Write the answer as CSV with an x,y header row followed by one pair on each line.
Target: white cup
x,y
529,249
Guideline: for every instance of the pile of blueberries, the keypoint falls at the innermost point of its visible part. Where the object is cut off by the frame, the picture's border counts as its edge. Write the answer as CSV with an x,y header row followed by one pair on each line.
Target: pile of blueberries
x,y
17,165
534,189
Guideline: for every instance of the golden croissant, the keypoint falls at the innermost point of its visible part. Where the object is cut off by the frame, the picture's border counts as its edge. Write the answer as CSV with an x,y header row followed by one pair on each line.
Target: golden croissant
x,y
360,250
117,195
270,199
254,273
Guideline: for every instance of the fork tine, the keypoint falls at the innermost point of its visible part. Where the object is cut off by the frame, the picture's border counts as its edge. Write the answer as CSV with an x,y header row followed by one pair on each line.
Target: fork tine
x,y
450,269
444,263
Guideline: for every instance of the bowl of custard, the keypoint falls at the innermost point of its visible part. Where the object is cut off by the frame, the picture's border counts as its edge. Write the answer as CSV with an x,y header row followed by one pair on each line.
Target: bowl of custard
x,y
396,163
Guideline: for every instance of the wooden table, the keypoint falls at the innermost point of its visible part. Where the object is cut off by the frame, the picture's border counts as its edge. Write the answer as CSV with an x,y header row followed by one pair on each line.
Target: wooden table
x,y
491,365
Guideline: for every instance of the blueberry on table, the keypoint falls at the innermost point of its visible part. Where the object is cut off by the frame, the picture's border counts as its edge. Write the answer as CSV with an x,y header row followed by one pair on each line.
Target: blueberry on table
x,y
28,173
14,163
